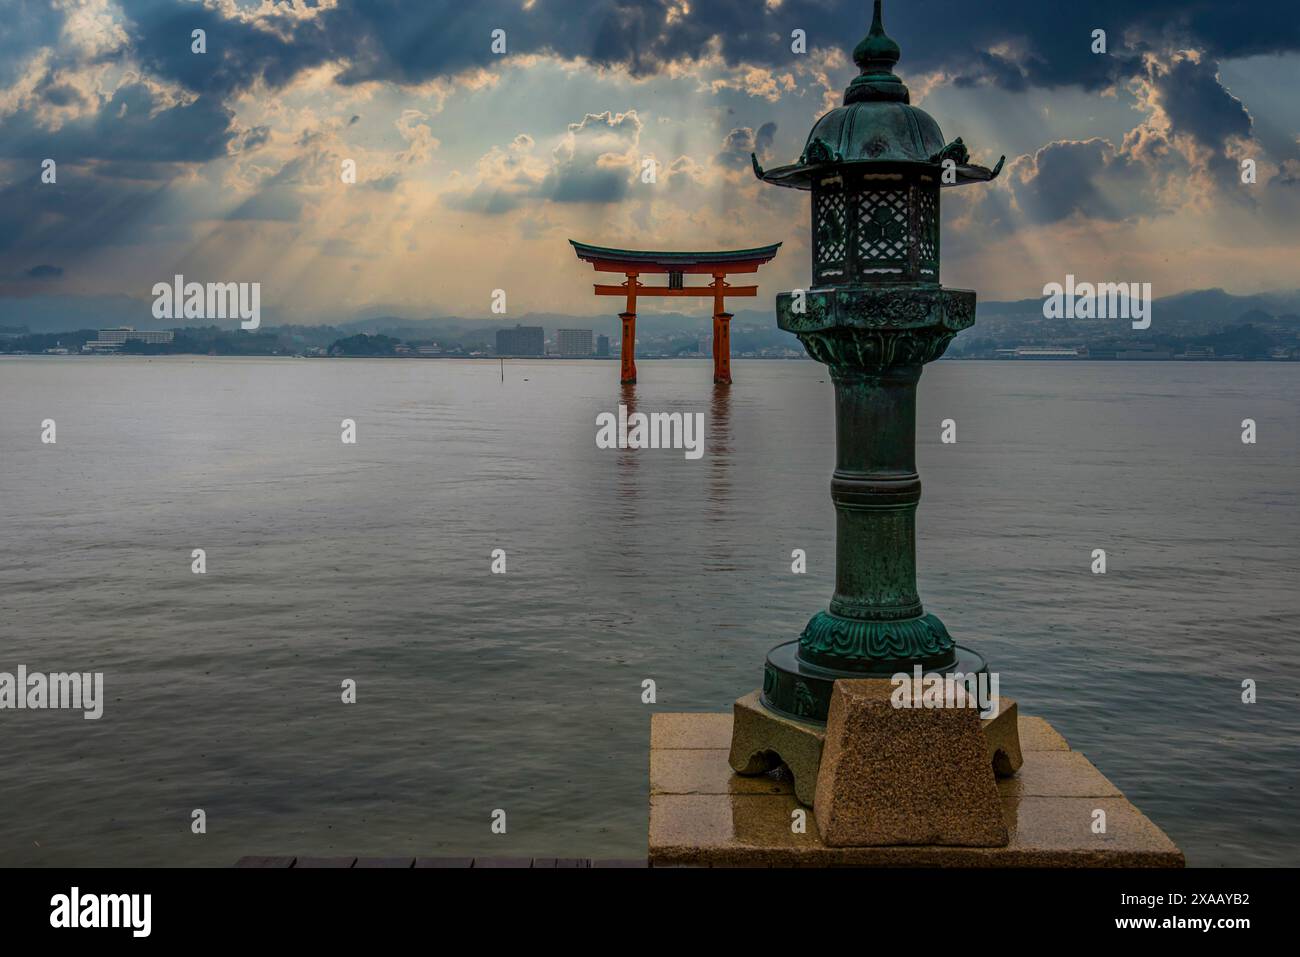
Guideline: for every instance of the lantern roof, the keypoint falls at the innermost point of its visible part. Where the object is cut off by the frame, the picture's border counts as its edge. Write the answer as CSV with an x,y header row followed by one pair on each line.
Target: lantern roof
x,y
876,127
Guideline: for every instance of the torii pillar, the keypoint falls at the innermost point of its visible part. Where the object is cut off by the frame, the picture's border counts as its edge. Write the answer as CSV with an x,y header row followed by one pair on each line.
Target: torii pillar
x,y
722,348
721,332
627,347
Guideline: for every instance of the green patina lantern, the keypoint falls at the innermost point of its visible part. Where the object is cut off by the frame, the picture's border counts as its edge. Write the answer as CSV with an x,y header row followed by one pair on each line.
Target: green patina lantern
x,y
875,315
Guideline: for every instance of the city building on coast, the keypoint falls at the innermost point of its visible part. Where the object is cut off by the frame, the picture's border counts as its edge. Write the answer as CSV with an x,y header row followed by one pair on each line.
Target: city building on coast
x,y
573,342
1044,352
112,340
521,341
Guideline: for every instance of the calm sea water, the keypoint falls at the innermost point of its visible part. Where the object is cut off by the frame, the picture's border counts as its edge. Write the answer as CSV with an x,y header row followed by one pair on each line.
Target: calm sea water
x,y
523,691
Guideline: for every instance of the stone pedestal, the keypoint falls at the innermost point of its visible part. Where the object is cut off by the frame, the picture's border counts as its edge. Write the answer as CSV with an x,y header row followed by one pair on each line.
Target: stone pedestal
x,y
762,741
1002,738
894,775
703,814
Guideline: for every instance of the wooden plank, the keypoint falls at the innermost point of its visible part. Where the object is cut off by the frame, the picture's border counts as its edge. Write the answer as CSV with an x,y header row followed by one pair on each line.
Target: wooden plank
x,y
311,862
503,862
385,862
402,863
265,862
444,862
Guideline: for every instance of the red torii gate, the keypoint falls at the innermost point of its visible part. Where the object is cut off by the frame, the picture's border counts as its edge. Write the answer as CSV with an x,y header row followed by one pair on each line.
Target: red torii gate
x,y
634,262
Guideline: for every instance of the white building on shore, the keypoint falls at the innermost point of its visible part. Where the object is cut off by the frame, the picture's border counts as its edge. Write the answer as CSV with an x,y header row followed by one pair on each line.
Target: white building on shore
x,y
110,340
573,342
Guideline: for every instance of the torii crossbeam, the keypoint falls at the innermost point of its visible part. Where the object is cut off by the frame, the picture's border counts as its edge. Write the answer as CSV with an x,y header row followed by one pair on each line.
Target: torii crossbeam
x,y
634,263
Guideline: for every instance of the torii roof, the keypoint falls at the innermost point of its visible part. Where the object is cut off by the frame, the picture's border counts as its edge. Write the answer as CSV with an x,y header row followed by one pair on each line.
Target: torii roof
x,y
647,260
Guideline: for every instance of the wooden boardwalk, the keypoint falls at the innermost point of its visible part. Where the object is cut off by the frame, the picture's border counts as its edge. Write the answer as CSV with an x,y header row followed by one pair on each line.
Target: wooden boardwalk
x,y
543,863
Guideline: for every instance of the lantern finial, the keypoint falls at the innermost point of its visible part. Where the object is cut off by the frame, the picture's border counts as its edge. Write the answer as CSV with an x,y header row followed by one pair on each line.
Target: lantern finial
x,y
877,53
875,57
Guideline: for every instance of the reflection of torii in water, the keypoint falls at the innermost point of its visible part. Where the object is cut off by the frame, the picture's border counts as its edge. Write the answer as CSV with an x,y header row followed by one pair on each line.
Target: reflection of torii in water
x,y
633,262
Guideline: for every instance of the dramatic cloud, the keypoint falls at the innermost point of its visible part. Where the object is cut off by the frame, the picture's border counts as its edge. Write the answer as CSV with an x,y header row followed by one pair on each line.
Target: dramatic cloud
x,y
594,162
1190,109
739,143
410,42
133,123
1066,178
474,158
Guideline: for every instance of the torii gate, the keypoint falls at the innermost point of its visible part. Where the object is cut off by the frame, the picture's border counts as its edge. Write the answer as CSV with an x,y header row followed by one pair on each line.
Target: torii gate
x,y
633,262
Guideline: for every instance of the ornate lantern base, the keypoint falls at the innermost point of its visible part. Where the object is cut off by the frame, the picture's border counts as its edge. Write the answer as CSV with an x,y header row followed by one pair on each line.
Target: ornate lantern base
x,y
796,689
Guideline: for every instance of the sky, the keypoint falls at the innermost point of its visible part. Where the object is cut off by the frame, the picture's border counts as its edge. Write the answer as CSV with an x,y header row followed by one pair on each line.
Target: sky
x,y
474,167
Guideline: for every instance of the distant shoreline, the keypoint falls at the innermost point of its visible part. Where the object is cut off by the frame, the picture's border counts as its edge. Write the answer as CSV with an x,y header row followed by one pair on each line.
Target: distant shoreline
x,y
640,358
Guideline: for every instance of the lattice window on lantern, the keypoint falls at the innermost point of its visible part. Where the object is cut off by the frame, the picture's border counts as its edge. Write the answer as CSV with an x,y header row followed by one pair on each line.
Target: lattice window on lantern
x,y
830,230
928,230
883,231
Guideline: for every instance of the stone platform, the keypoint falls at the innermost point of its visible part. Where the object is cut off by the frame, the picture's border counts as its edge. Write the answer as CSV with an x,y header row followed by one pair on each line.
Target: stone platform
x,y
703,814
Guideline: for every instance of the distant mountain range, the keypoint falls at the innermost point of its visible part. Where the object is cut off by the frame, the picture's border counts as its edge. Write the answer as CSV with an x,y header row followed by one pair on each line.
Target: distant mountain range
x,y
1206,321
1184,314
